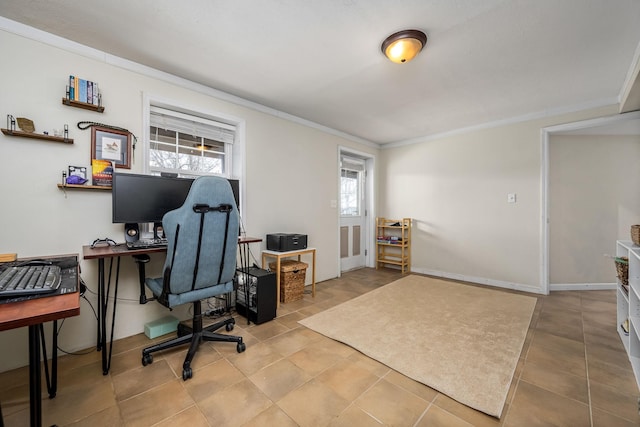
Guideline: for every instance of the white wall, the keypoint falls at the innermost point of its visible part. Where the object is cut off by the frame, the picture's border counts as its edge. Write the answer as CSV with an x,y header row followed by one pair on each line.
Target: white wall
x,y
455,189
594,182
291,176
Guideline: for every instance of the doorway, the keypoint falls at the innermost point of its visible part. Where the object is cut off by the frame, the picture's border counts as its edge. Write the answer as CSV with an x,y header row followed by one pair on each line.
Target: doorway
x,y
354,209
620,212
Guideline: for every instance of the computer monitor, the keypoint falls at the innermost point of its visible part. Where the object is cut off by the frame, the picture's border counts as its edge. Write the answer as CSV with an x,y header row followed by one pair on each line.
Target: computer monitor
x,y
139,199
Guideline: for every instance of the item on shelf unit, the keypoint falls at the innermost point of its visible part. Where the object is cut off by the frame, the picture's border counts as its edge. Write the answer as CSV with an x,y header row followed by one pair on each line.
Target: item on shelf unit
x,y
76,180
26,125
79,171
11,123
622,268
102,172
635,234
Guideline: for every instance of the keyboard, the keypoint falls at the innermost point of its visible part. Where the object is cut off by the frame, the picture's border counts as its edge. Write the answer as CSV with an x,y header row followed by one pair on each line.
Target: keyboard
x,y
147,244
29,280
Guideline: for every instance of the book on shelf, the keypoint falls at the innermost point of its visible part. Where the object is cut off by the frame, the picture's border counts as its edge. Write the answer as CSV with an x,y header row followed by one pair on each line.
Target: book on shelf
x,y
101,173
82,85
83,90
72,87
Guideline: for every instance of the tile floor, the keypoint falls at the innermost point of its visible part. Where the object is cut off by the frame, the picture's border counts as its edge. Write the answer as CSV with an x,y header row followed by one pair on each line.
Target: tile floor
x,y
573,372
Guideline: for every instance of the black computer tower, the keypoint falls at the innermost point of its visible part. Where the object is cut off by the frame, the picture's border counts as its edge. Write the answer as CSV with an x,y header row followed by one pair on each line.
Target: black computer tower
x,y
261,294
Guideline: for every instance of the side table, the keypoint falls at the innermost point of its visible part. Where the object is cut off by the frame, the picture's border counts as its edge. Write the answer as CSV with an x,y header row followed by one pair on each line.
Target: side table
x,y
288,254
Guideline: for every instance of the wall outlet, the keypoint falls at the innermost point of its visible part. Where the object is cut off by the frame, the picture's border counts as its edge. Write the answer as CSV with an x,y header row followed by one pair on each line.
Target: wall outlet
x,y
511,198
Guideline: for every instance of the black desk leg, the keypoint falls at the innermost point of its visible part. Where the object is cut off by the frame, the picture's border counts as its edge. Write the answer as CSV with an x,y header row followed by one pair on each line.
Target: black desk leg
x,y
103,297
52,381
35,405
100,292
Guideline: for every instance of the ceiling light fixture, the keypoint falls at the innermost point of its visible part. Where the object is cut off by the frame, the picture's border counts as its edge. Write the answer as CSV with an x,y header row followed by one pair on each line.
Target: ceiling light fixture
x,y
404,45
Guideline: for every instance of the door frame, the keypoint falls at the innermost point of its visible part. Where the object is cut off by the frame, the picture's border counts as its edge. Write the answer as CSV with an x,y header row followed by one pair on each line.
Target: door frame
x,y
546,135
369,161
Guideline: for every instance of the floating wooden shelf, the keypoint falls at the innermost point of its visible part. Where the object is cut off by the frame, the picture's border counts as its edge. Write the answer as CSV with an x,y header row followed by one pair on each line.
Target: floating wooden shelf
x,y
83,187
85,105
34,135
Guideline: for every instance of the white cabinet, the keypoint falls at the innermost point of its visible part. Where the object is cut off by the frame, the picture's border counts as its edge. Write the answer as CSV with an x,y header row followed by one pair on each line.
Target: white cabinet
x,y
628,303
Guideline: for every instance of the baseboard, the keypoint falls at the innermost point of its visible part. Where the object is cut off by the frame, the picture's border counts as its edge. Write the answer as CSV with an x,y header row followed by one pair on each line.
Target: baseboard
x,y
479,280
581,286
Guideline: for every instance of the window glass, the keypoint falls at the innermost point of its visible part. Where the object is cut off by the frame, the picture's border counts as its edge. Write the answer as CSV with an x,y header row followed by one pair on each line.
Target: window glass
x,y
188,144
350,193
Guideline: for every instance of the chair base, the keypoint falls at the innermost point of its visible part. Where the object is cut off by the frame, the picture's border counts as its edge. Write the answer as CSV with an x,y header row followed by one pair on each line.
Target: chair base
x,y
195,336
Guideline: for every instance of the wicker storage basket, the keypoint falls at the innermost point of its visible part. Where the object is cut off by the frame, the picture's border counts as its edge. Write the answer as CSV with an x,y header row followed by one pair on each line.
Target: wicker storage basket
x,y
622,268
635,234
292,277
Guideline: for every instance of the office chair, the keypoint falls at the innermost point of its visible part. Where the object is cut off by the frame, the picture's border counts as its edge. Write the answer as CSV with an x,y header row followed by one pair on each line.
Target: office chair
x,y
202,238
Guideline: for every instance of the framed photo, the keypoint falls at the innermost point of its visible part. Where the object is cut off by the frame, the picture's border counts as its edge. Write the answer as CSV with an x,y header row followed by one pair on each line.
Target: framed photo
x,y
112,145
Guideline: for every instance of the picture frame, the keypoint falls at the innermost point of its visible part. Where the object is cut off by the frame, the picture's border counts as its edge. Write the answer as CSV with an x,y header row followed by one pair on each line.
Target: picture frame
x,y
112,145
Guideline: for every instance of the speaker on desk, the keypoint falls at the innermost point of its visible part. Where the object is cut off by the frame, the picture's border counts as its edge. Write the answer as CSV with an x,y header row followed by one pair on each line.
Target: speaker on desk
x,y
131,232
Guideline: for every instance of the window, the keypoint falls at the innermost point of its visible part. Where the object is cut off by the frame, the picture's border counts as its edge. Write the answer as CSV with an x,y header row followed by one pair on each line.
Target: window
x,y
351,186
189,144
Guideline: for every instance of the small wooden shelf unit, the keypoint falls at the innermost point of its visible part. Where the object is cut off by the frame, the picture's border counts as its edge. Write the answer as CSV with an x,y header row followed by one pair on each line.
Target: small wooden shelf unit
x,y
393,243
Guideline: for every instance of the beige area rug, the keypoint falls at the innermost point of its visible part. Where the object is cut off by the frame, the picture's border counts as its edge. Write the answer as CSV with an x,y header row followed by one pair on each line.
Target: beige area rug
x,y
461,340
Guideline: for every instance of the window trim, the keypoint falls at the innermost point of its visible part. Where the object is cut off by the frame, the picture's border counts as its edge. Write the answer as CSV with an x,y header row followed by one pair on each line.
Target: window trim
x,y
235,162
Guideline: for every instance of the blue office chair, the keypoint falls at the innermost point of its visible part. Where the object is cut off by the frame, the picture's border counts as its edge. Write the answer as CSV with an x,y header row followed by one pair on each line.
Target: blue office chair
x,y
202,238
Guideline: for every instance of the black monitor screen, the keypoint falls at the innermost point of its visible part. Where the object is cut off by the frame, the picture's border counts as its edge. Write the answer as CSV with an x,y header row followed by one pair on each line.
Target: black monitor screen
x,y
146,198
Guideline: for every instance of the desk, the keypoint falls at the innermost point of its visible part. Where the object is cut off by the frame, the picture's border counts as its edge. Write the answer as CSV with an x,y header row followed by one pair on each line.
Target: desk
x,y
33,313
279,255
101,253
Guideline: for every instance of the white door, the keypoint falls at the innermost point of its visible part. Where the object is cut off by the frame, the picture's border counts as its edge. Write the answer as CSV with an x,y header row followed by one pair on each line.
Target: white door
x,y
352,213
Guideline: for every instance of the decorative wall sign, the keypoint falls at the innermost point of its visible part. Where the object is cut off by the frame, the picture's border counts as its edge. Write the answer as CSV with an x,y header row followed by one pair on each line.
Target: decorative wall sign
x,y
112,145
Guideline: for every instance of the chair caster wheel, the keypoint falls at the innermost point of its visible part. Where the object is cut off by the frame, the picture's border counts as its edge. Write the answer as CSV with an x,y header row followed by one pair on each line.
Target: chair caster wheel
x,y
229,327
241,347
147,359
186,374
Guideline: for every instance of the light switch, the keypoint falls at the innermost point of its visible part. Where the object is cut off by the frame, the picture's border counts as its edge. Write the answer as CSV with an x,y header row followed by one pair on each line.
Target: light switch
x,y
511,197
334,203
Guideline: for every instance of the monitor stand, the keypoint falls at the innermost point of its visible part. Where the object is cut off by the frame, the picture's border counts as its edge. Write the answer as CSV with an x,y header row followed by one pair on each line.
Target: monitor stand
x,y
158,231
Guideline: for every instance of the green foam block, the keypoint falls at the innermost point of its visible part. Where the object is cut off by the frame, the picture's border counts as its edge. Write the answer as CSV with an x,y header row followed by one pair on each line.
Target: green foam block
x,y
161,326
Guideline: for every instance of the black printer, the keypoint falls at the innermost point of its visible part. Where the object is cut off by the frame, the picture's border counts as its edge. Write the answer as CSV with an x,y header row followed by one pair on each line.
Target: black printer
x,y
283,242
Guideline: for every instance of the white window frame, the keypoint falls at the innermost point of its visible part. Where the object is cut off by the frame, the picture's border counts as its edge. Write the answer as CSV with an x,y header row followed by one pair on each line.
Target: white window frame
x,y
234,160
180,122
